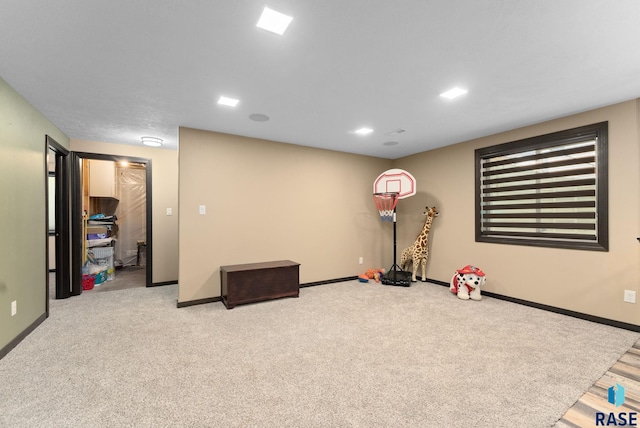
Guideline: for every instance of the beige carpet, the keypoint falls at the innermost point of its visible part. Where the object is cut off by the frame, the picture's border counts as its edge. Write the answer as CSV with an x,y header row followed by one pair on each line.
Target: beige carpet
x,y
345,354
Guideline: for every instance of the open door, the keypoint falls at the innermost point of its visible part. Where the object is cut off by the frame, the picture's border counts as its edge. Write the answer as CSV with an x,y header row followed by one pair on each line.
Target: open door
x,y
57,194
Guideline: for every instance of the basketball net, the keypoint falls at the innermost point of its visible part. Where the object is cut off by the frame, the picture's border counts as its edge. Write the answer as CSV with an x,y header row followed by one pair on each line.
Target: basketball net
x,y
386,203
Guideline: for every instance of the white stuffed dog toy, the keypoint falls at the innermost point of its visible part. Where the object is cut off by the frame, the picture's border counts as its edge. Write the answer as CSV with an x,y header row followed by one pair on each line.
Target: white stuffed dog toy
x,y
466,283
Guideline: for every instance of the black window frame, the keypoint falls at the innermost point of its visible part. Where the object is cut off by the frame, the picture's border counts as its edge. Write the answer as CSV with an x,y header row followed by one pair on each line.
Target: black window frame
x,y
575,237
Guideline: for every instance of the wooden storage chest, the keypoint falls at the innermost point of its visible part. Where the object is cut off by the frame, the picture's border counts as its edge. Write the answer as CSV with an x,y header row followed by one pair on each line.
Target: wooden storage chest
x,y
256,282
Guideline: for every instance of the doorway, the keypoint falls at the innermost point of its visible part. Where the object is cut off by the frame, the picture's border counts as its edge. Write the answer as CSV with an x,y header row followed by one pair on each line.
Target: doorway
x,y
84,204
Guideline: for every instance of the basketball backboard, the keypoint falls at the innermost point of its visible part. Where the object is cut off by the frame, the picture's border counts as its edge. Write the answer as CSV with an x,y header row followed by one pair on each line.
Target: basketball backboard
x,y
395,181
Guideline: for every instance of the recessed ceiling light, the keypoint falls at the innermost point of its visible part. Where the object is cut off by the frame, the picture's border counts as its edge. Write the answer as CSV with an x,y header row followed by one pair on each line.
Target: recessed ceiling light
x,y
225,101
453,93
273,21
390,143
364,131
152,141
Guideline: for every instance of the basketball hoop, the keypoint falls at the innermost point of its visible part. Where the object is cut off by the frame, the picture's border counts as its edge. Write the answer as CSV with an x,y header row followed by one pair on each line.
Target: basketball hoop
x,y
388,188
386,204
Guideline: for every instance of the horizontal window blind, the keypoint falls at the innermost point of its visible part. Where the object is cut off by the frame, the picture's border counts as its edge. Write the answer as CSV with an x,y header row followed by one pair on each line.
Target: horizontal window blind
x,y
545,191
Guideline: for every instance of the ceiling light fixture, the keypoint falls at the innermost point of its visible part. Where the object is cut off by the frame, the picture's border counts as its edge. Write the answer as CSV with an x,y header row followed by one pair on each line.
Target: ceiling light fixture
x,y
453,93
259,117
226,101
396,131
152,141
273,21
364,131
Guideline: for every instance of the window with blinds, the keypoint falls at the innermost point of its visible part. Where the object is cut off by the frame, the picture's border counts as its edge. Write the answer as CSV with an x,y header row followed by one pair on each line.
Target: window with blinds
x,y
546,191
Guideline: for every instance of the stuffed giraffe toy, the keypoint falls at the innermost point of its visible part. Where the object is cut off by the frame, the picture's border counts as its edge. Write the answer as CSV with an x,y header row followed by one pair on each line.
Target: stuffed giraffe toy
x,y
418,253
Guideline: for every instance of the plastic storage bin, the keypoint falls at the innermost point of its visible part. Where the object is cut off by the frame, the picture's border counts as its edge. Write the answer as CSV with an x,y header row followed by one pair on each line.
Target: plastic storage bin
x,y
104,258
88,281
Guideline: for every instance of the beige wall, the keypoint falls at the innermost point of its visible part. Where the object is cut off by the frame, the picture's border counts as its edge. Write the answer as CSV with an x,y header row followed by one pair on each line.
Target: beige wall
x,y
164,169
271,201
23,211
583,281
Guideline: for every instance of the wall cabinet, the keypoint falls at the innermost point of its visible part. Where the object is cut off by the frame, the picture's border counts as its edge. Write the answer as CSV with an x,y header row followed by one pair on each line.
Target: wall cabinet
x,y
102,179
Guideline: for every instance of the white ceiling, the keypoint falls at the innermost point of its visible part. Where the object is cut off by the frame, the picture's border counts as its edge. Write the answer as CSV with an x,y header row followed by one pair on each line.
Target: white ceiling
x,y
118,70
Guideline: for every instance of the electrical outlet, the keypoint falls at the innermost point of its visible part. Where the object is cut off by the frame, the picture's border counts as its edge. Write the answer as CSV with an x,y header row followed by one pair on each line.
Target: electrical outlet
x,y
14,307
361,260
629,296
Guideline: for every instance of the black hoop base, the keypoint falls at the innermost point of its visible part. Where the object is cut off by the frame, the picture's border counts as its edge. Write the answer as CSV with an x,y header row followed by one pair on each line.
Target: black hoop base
x,y
396,276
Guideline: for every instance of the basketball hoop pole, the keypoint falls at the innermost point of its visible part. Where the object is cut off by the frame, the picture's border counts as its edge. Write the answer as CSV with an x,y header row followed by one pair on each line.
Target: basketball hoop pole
x,y
386,204
395,275
395,267
399,276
